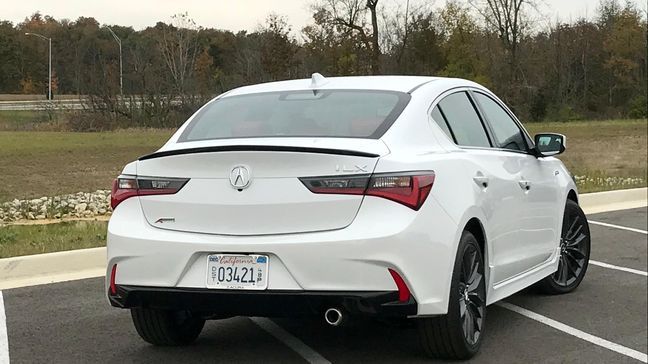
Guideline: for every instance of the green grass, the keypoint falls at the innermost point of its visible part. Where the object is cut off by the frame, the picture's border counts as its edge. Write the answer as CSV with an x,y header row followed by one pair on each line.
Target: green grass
x,y
609,154
35,164
16,240
28,119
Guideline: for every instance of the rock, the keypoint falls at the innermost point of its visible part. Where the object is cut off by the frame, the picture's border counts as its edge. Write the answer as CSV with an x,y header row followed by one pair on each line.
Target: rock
x,y
30,216
80,207
40,217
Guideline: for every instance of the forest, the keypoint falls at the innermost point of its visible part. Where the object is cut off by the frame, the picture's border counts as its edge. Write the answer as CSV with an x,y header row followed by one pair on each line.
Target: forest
x,y
545,69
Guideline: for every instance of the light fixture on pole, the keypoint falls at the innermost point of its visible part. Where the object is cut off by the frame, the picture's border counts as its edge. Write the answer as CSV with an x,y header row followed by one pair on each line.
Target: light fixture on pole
x,y
121,84
49,83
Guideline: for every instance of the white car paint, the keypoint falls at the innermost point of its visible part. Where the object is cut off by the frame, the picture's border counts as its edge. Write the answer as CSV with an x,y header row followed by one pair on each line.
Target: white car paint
x,y
343,242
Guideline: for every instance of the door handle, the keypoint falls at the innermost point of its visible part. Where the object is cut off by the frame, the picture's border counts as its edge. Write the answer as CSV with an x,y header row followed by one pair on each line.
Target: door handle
x,y
481,180
525,185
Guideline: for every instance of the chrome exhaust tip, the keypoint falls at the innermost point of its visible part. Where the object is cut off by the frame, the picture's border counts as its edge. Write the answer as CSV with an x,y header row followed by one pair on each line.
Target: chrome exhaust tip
x,y
334,316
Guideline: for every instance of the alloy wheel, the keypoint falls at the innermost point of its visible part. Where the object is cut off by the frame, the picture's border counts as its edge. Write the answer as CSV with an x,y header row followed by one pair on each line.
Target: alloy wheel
x,y
573,252
471,295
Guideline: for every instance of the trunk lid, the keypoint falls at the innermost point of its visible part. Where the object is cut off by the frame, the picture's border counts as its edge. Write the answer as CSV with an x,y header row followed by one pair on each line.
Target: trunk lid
x,y
254,189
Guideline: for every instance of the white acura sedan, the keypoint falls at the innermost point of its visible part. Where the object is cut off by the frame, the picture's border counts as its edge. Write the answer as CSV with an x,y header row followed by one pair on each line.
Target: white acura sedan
x,y
386,196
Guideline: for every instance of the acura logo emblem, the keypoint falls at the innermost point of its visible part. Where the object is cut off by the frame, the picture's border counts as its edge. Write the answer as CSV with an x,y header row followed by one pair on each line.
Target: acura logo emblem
x,y
240,177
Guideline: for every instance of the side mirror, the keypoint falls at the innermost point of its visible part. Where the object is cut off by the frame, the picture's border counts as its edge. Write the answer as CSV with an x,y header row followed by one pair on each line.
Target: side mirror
x,y
548,144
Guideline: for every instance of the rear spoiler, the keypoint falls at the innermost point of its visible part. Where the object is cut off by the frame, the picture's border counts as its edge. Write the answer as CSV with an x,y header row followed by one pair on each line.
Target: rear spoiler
x,y
257,148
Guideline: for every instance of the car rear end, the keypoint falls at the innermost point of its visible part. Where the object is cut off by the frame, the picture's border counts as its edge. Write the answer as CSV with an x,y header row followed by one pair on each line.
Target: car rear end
x,y
271,204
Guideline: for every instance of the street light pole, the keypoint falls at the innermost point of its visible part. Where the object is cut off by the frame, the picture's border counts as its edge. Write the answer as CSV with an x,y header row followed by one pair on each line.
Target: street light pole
x,y
49,83
121,83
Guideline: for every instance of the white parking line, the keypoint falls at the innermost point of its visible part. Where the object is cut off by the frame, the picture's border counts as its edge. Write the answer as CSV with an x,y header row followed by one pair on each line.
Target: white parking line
x,y
610,266
4,341
577,333
618,227
291,341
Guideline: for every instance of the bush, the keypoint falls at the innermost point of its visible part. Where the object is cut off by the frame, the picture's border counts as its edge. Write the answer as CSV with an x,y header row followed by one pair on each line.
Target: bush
x,y
638,107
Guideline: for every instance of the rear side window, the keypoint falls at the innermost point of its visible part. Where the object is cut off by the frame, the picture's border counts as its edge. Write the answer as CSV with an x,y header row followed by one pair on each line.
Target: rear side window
x,y
330,113
438,117
507,133
464,121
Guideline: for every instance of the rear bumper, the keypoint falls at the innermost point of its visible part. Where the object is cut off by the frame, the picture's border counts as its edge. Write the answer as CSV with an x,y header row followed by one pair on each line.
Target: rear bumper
x,y
263,303
419,245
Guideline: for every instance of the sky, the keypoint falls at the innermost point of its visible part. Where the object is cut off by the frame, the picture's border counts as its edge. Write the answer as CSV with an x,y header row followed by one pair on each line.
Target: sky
x,y
232,15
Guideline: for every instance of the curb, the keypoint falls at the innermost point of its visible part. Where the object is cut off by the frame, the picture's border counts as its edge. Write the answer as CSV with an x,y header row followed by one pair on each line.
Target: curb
x,y
70,265
30,270
593,203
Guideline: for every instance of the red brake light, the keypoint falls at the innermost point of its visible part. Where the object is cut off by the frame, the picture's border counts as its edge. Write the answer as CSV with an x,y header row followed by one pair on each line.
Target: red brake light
x,y
127,186
410,189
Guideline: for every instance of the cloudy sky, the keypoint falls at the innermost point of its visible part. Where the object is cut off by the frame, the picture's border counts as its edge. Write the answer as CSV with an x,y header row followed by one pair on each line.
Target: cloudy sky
x,y
224,14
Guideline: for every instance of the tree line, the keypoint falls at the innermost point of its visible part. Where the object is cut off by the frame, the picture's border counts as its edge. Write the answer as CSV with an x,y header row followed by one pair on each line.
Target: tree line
x,y
585,68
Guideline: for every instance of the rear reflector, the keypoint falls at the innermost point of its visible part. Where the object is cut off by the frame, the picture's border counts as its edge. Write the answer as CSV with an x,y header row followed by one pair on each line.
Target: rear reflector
x,y
129,186
403,291
113,286
409,188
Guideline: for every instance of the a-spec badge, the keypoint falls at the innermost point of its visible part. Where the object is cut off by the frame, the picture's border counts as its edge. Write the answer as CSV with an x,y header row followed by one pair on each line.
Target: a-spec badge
x,y
240,177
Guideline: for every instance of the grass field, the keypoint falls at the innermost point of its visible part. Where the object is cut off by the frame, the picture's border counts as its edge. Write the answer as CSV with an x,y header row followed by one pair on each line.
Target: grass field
x,y
18,240
36,164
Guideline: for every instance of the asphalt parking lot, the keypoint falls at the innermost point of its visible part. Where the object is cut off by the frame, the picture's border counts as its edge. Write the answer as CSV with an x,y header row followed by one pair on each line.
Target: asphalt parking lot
x,y
603,321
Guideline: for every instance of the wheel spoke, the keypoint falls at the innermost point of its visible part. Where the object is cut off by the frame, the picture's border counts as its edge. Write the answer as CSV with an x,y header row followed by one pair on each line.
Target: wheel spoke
x,y
573,259
577,241
475,281
571,271
574,252
469,259
571,228
575,233
476,299
474,309
476,323
558,273
565,271
470,333
462,308
467,323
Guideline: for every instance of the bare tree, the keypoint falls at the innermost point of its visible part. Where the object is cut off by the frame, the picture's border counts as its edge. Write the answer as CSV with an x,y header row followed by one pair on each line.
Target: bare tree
x,y
351,15
179,48
508,19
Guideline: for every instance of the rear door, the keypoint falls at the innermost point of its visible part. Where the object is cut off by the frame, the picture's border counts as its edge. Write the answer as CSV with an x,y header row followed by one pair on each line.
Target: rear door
x,y
536,182
495,180
255,190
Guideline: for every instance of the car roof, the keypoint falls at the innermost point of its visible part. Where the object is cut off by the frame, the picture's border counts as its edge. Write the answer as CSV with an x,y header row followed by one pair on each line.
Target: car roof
x,y
384,83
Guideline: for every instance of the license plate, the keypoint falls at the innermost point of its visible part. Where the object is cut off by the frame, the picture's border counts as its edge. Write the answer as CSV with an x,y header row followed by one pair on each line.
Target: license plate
x,y
228,271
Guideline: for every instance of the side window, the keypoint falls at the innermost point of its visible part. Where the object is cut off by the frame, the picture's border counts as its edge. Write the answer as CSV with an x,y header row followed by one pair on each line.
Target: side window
x,y
438,117
464,121
507,133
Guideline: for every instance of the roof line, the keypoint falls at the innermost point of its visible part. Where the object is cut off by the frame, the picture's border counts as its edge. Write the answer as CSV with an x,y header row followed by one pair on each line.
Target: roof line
x,y
418,86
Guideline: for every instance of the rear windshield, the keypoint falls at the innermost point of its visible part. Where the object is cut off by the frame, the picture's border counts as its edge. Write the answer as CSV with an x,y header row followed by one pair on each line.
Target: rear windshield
x,y
330,113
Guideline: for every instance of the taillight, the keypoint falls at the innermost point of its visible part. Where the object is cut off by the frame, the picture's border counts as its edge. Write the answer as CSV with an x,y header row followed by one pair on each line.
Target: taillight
x,y
409,188
129,186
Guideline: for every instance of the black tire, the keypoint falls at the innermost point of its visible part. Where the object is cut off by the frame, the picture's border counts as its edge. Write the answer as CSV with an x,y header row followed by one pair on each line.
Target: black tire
x,y
458,334
166,328
574,254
